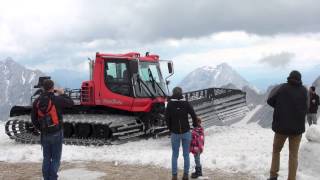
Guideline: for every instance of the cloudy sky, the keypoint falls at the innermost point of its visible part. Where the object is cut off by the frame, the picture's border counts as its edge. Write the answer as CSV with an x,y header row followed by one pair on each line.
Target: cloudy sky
x,y
263,40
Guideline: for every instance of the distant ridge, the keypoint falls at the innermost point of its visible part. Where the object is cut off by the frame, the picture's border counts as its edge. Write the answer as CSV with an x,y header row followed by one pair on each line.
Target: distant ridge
x,y
16,84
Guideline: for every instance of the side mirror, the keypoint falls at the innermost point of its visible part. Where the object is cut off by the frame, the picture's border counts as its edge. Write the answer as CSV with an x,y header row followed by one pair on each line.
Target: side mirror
x,y
133,66
170,67
167,82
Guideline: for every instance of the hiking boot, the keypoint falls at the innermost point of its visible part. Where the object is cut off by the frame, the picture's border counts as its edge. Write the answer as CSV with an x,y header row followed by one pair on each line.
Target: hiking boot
x,y
174,177
197,173
273,178
194,175
185,177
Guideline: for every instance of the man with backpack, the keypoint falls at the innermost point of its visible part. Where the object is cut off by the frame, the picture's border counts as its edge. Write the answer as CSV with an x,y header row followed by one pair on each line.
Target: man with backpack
x,y
46,117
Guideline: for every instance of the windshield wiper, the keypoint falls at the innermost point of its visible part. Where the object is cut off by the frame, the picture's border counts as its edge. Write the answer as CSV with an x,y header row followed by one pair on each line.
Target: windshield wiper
x,y
164,94
154,82
146,86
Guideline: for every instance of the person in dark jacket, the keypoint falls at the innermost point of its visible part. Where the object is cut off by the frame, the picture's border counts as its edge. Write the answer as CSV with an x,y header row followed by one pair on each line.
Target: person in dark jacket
x,y
313,106
51,138
176,115
289,101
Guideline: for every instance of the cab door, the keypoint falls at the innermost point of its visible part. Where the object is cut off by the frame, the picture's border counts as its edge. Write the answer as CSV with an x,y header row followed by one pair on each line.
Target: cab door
x,y
117,86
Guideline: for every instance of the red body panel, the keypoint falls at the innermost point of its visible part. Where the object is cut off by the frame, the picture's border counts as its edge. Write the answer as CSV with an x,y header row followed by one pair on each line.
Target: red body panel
x,y
144,104
95,92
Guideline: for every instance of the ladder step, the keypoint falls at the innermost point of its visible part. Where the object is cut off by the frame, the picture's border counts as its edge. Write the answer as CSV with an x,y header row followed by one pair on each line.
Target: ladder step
x,y
131,136
128,127
126,132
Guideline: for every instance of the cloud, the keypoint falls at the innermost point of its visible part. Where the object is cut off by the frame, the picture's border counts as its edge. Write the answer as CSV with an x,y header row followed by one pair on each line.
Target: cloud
x,y
60,34
38,27
278,60
148,20
189,18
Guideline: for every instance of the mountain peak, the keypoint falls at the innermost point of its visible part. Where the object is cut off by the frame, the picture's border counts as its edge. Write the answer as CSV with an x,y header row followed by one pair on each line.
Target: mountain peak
x,y
221,66
8,61
16,83
208,68
224,66
208,76
12,64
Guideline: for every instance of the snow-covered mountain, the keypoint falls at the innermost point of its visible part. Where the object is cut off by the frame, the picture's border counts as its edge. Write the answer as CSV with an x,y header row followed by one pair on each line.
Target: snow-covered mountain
x,y
221,76
253,97
263,115
229,86
16,84
208,76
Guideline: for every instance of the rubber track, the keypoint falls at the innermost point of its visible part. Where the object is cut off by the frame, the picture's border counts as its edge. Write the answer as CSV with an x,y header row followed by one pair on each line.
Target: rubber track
x,y
16,128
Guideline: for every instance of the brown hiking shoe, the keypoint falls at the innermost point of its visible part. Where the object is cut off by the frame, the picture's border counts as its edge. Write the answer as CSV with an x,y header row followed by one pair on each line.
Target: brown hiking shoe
x,y
272,178
185,177
174,177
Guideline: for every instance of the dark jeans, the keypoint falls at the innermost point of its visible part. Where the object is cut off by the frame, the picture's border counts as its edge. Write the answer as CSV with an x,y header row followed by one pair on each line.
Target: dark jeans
x,y
312,118
197,159
52,148
176,140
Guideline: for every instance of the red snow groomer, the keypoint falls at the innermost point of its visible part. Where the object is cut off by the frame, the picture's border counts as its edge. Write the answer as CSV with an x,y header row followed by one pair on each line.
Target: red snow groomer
x,y
125,99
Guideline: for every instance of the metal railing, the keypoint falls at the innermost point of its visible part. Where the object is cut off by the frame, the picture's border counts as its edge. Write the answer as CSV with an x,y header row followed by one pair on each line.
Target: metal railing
x,y
214,105
211,94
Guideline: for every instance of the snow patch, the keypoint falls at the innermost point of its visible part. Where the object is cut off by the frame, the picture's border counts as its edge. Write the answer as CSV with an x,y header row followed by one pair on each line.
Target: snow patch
x,y
257,90
245,149
23,78
209,68
33,75
7,90
80,174
309,157
217,74
232,149
313,133
6,71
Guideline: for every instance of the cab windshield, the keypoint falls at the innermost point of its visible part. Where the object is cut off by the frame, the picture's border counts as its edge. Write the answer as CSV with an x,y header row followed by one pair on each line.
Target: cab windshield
x,y
146,67
151,76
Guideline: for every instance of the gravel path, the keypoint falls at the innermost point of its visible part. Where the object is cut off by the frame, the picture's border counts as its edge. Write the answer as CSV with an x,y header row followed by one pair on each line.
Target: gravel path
x,y
104,171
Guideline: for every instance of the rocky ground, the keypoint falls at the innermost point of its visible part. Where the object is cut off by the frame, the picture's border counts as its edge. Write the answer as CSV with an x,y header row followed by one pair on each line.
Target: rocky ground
x,y
104,170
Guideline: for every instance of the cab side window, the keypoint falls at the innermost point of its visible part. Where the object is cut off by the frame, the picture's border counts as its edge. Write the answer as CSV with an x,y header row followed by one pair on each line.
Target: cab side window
x,y
117,77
